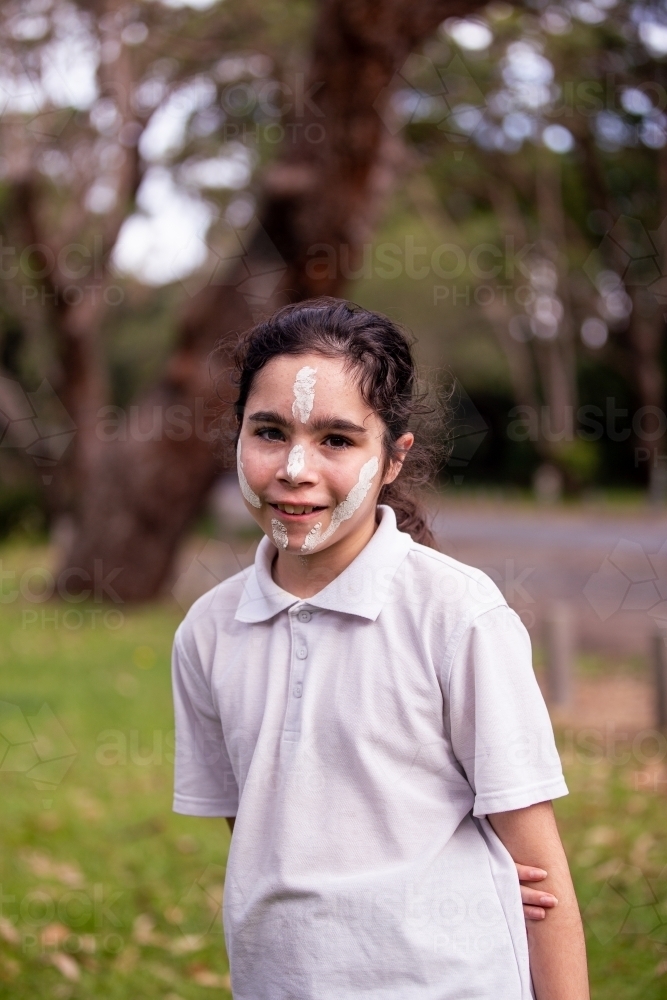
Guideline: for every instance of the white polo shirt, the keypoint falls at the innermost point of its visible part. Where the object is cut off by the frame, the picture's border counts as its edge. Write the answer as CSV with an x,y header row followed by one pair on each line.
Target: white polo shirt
x,y
360,737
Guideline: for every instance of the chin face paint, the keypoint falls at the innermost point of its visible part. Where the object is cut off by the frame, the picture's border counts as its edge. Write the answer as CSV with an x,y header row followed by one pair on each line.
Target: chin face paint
x,y
346,509
296,461
279,532
304,393
246,489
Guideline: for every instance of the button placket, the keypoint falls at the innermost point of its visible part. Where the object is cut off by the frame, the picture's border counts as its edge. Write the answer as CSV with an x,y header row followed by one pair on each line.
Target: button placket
x,y
297,672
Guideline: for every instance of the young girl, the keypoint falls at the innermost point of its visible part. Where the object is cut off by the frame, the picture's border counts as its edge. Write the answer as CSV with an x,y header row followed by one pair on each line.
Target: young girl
x,y
365,707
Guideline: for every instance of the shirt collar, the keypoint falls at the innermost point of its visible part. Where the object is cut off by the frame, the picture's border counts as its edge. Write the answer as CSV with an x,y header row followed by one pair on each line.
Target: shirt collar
x,y
361,589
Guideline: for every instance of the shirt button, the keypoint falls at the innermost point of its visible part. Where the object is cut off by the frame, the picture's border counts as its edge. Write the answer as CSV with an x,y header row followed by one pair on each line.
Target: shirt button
x,y
298,690
304,616
302,652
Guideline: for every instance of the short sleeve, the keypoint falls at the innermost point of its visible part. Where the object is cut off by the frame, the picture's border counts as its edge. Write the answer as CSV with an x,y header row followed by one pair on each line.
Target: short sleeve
x,y
500,728
204,782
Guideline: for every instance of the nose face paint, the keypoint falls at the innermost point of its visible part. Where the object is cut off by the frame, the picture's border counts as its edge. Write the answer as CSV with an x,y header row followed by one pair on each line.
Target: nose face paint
x,y
344,510
246,490
279,532
296,461
304,393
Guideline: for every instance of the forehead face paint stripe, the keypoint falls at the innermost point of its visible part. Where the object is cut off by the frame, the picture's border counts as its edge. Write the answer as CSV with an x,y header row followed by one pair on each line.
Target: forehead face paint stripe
x,y
346,509
279,532
296,461
246,489
304,393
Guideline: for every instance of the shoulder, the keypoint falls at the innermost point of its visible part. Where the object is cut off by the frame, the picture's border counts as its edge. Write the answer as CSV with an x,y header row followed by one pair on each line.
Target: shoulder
x,y
446,583
212,614
437,567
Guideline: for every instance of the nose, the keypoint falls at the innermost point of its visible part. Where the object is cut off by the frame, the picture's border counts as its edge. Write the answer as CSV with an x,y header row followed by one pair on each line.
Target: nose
x,y
298,470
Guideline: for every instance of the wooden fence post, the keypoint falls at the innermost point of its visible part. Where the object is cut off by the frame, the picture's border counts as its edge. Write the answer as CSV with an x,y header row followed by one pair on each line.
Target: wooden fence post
x,y
659,661
559,644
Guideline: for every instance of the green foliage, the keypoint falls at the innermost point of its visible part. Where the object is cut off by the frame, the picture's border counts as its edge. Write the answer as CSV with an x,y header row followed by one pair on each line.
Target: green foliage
x,y
21,510
585,213
581,459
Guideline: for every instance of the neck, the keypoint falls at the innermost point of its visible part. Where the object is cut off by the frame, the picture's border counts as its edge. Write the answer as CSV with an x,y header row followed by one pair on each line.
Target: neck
x,y
306,575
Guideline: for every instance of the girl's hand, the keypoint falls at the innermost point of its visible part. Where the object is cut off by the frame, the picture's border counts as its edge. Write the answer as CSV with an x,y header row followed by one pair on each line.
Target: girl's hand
x,y
535,901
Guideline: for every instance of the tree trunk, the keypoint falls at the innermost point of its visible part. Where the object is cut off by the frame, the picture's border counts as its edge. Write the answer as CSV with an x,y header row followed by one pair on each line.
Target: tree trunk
x,y
646,335
323,195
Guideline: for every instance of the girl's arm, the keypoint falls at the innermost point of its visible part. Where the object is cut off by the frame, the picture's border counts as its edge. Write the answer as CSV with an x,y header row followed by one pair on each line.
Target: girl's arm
x,y
556,943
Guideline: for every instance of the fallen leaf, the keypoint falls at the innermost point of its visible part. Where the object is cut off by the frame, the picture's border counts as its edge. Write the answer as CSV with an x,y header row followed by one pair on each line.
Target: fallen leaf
x,y
66,872
606,870
187,844
127,960
66,965
53,935
8,931
187,943
641,848
143,931
88,943
162,972
207,977
87,807
9,967
601,836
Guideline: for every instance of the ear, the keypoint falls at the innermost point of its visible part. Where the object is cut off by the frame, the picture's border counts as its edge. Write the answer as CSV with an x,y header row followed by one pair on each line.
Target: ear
x,y
403,445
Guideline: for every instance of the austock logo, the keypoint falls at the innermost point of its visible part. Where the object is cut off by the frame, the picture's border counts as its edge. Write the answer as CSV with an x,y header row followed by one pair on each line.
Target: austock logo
x,y
242,257
36,422
446,95
629,579
200,908
638,259
214,563
629,903
466,432
34,745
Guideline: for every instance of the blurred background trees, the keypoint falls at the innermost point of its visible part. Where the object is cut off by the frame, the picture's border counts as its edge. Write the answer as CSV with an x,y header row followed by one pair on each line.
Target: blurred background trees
x,y
494,177
561,132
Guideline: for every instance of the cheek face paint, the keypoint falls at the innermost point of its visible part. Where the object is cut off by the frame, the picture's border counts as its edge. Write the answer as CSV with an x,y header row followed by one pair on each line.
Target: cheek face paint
x,y
296,461
279,532
246,490
304,393
346,509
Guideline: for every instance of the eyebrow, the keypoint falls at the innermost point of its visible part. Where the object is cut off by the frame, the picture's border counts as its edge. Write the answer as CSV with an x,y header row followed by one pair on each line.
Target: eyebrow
x,y
325,423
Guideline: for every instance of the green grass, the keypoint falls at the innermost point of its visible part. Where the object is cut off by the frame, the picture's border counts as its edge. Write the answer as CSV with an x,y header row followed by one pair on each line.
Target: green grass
x,y
95,866
613,827
108,894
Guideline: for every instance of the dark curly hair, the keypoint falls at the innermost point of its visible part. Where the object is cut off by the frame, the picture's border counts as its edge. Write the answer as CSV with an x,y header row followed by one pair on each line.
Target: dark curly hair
x,y
379,354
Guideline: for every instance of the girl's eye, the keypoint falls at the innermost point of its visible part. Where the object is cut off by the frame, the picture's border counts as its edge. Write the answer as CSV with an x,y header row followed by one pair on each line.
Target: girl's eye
x,y
336,441
270,434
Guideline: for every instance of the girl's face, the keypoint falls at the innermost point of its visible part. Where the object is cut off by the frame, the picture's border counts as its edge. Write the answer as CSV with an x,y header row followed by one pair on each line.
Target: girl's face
x,y
310,455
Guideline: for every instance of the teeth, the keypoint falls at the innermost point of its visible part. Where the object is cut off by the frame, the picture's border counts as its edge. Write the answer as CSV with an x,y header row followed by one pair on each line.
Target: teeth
x,y
289,508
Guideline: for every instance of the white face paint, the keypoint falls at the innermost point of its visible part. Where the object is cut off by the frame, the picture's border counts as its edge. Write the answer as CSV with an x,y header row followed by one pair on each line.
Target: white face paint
x,y
304,393
246,490
296,461
279,532
344,510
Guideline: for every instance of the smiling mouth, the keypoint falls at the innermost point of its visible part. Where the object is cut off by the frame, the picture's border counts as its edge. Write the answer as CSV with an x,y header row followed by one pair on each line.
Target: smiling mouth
x,y
293,508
